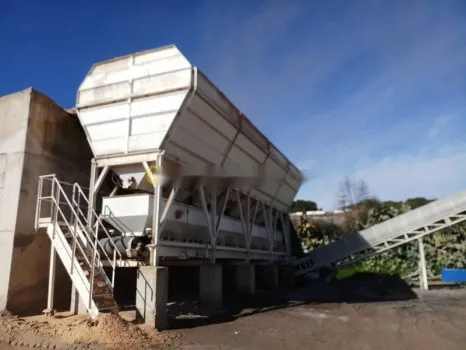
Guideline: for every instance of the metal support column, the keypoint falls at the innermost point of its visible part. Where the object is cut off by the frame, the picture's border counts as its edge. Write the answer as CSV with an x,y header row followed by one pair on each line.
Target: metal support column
x,y
286,228
52,269
91,192
156,214
213,212
422,267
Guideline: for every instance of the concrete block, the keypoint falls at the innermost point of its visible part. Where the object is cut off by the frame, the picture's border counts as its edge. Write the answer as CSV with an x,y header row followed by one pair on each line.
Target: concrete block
x,y
152,295
269,276
245,276
77,303
210,284
286,276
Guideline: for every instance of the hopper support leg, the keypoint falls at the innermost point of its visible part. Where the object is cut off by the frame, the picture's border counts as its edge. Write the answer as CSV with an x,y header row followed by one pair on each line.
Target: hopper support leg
x,y
95,184
169,203
213,218
285,219
156,227
244,224
209,219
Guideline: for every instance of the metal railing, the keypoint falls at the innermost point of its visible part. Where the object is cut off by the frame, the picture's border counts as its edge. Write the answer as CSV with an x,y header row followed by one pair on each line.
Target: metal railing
x,y
96,225
54,199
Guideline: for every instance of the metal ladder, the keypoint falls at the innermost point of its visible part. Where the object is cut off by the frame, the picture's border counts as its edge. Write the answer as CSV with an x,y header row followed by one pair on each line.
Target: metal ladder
x,y
60,212
387,235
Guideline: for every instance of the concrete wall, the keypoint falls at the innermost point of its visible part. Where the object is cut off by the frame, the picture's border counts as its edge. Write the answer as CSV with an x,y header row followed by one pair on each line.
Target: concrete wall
x,y
14,113
46,140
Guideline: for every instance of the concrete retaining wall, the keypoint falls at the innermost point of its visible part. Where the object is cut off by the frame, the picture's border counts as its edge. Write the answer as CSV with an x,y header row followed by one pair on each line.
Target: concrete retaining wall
x,y
37,137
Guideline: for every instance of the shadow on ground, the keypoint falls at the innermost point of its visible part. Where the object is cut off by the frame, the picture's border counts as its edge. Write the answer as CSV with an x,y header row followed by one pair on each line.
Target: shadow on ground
x,y
359,288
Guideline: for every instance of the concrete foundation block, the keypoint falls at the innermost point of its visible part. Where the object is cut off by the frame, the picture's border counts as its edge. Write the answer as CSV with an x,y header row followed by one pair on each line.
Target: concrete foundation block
x,y
286,276
245,276
77,303
270,276
152,295
210,284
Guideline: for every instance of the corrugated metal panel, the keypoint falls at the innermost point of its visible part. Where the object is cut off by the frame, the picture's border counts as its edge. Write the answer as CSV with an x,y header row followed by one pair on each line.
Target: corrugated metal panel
x,y
182,155
261,195
286,194
129,104
250,148
292,181
206,112
276,155
196,145
215,97
254,135
209,135
245,160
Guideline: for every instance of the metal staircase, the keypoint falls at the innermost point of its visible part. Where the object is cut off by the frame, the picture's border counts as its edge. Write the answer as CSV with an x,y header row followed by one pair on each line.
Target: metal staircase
x,y
60,211
392,233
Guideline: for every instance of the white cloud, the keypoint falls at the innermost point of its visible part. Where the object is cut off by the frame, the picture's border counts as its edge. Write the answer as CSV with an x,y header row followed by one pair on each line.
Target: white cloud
x,y
411,176
372,90
399,177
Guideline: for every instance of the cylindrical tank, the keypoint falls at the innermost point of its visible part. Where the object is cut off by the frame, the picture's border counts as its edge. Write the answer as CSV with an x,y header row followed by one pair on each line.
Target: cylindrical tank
x,y
122,243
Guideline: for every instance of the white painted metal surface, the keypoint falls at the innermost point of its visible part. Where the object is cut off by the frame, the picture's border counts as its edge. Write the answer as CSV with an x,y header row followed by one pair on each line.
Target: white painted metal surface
x,y
157,100
76,244
404,228
132,215
76,273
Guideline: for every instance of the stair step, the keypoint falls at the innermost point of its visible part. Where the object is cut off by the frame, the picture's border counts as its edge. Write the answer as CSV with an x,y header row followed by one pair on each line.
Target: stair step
x,y
105,301
100,286
77,233
112,310
101,290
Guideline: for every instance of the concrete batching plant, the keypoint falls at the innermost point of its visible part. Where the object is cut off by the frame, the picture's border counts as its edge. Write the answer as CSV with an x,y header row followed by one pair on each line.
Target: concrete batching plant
x,y
194,182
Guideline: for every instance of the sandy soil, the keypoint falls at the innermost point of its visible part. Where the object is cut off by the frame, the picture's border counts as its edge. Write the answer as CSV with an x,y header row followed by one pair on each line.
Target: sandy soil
x,y
65,331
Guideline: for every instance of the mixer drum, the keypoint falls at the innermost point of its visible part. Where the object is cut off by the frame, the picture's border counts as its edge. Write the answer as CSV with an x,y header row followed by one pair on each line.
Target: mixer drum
x,y
123,244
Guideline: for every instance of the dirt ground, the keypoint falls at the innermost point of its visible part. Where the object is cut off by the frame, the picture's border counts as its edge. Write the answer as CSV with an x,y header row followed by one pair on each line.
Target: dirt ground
x,y
430,324
430,320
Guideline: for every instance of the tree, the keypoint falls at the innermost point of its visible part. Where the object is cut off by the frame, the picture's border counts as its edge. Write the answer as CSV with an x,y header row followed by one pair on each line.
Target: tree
x,y
352,192
418,202
314,234
370,203
303,205
354,197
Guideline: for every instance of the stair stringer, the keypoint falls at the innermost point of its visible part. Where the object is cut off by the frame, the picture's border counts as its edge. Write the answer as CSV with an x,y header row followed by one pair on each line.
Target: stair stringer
x,y
77,276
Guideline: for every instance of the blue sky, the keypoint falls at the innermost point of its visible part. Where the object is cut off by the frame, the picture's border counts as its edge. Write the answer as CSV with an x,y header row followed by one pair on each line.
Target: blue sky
x,y
372,89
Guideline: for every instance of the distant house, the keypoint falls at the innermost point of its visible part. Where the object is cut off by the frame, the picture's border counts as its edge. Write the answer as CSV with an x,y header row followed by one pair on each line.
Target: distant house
x,y
336,217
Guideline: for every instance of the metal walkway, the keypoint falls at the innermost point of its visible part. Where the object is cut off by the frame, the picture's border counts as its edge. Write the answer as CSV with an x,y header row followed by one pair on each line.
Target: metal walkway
x,y
392,233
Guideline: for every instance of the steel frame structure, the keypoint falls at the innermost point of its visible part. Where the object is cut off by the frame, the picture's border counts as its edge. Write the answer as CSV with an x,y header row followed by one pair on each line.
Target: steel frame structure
x,y
248,207
306,265
72,239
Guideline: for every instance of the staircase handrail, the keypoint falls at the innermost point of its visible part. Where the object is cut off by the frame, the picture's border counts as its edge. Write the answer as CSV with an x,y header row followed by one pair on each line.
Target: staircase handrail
x,y
77,190
76,241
